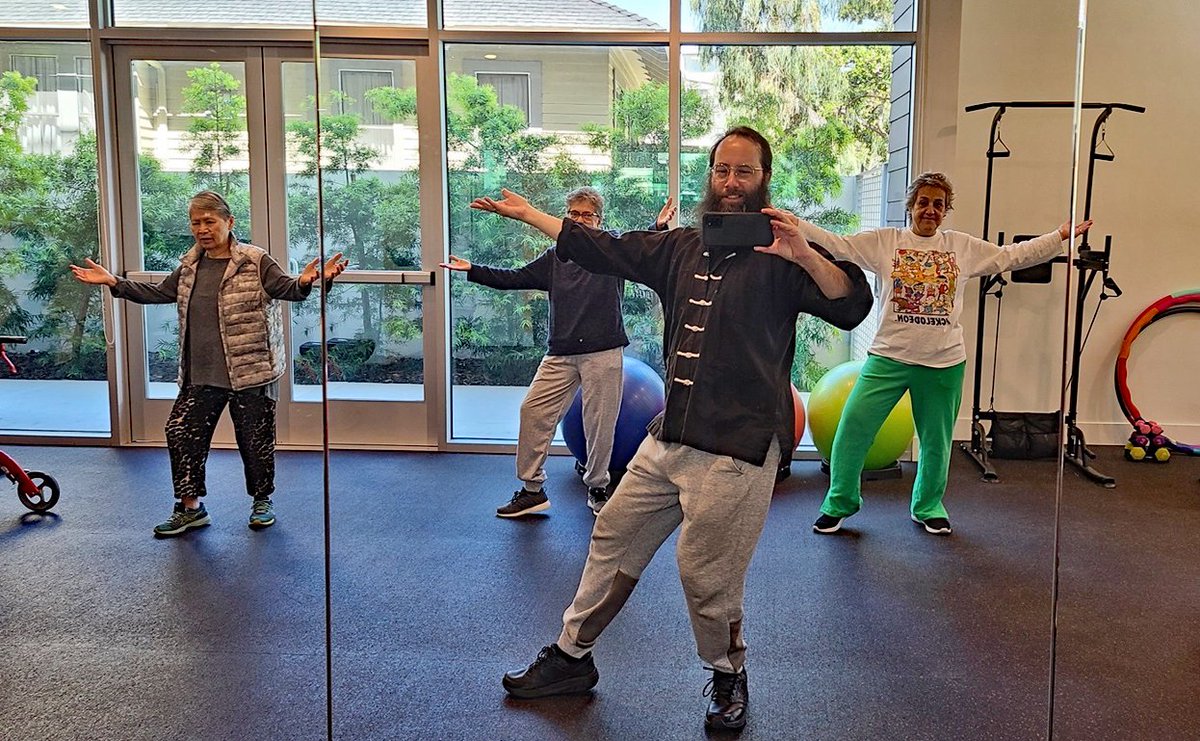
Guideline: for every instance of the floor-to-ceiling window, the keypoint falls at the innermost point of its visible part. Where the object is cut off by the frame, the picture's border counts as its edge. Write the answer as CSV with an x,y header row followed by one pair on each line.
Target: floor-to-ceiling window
x,y
832,92
48,220
578,116
617,101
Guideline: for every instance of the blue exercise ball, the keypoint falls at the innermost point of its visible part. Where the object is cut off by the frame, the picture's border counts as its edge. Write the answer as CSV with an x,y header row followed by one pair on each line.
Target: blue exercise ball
x,y
642,398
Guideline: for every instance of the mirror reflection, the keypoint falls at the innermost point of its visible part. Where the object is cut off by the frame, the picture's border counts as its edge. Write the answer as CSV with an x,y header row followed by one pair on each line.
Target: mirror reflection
x,y
441,359
145,288
1119,666
543,121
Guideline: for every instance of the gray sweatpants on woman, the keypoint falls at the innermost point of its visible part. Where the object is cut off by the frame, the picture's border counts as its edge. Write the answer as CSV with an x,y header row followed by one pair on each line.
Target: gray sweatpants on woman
x,y
722,503
549,398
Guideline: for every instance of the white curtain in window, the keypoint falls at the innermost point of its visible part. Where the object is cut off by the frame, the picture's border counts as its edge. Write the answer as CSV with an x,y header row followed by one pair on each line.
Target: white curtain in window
x,y
511,89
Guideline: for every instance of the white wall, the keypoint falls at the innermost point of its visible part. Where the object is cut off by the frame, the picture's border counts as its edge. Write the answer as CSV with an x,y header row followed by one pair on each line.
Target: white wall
x,y
981,51
1148,54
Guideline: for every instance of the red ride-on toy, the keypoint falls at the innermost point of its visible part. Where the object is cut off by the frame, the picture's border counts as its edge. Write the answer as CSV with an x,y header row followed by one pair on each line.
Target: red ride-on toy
x,y
38,491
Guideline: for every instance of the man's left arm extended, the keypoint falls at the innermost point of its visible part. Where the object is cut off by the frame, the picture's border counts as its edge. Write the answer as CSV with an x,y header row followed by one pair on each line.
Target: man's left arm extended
x,y
846,311
834,291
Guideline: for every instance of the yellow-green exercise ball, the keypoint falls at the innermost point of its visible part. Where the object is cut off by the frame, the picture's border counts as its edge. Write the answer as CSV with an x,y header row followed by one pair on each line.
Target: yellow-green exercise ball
x,y
825,405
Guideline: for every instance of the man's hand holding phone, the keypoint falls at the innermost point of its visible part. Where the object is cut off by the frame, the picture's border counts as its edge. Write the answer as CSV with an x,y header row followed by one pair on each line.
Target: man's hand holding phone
x,y
788,242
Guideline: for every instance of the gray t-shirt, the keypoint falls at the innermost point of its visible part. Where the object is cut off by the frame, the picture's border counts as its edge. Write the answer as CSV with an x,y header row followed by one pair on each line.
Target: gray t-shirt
x,y
205,367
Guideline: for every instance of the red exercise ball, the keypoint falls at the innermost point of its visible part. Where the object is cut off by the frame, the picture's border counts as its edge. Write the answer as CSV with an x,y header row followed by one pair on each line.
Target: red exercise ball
x,y
798,411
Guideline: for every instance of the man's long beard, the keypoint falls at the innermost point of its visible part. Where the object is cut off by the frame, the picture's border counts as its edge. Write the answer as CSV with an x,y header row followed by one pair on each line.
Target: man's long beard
x,y
755,200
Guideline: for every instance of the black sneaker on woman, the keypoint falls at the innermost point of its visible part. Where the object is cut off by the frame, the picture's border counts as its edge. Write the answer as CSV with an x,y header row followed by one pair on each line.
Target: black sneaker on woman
x,y
934,525
826,524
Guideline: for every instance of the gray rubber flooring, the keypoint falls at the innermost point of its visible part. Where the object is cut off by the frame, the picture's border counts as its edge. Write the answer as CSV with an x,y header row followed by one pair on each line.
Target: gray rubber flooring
x,y
880,632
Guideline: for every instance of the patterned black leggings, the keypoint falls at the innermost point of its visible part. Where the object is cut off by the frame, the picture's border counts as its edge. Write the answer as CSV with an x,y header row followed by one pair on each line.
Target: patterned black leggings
x,y
190,429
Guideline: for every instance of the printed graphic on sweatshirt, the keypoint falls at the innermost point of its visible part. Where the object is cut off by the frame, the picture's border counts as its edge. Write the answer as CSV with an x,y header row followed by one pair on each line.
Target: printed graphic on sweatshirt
x,y
923,285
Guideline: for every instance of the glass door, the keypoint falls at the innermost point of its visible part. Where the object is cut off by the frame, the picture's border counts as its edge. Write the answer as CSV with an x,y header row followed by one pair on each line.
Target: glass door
x,y
244,121
381,210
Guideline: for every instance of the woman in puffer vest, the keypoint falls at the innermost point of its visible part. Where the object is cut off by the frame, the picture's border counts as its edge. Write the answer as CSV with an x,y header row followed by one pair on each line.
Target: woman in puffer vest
x,y
231,353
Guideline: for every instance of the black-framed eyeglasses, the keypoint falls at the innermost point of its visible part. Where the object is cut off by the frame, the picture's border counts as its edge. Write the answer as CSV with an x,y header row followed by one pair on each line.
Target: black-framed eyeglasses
x,y
741,172
576,215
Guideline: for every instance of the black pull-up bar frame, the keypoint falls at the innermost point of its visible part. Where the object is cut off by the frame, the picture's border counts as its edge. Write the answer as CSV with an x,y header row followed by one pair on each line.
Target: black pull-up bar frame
x,y
1088,262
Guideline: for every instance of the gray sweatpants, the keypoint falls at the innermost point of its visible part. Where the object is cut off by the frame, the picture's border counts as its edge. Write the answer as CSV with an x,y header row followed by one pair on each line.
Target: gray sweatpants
x,y
549,398
722,503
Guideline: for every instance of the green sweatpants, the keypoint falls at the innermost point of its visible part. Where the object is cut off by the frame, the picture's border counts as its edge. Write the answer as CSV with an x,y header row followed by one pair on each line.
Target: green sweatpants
x,y
936,394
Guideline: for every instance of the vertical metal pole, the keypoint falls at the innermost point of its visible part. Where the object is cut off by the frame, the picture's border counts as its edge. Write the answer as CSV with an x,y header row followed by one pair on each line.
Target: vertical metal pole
x,y
1081,38
320,224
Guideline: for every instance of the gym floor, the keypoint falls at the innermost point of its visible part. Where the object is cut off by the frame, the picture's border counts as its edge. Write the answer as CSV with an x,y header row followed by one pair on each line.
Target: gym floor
x,y
879,632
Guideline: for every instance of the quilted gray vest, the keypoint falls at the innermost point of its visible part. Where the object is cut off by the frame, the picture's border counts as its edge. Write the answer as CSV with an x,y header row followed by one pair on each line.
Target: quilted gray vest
x,y
251,322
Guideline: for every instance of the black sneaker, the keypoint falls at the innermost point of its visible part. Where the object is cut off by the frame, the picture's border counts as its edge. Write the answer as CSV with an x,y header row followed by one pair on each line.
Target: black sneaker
x,y
552,673
597,498
934,525
730,703
784,471
524,503
828,524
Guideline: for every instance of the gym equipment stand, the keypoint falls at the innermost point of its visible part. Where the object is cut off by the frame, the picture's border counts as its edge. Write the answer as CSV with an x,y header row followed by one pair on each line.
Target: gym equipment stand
x,y
1090,264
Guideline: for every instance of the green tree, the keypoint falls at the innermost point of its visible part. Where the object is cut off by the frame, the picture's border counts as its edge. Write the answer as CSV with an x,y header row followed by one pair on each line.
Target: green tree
x,y
216,131
640,119
489,148
20,181
372,221
824,108
17,173
48,220
341,151
65,231
165,231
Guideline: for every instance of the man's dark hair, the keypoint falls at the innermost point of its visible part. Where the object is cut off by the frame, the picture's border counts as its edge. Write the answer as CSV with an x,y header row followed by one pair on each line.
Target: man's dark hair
x,y
745,132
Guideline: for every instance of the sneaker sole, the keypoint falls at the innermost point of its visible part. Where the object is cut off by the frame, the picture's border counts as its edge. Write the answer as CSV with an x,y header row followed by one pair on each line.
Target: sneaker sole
x,y
261,525
535,508
205,522
572,686
931,530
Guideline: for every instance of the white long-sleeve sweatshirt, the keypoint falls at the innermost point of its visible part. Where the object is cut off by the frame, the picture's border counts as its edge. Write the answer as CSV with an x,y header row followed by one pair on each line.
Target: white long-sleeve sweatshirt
x,y
924,281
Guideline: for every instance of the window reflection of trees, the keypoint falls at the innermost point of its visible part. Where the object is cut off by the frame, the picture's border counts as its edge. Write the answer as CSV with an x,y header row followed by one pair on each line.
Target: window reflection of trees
x,y
825,109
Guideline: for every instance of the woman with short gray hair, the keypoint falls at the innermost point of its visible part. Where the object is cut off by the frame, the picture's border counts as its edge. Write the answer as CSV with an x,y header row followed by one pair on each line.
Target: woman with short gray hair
x,y
231,353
